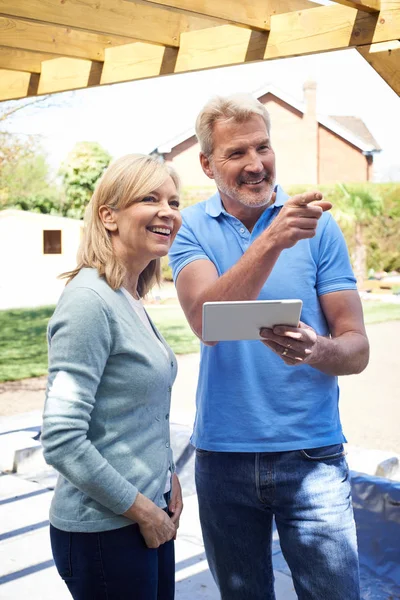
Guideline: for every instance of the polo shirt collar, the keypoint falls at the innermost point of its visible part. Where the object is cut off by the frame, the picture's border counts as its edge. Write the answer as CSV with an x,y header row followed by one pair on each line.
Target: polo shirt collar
x,y
214,205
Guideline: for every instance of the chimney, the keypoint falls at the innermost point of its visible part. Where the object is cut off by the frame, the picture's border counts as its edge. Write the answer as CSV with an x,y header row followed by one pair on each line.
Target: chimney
x,y
310,99
310,133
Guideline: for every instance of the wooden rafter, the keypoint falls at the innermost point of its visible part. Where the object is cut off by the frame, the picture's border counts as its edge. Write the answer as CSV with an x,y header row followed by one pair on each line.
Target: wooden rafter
x,y
56,39
17,84
48,45
136,20
365,5
15,59
385,59
328,28
255,14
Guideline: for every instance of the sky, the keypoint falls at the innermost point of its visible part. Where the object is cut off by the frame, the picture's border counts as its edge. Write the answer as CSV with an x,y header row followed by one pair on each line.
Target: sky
x,y
139,116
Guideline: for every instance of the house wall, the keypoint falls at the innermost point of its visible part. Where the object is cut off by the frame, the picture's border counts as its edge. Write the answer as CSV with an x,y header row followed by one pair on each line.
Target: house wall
x,y
294,148
340,160
28,277
185,159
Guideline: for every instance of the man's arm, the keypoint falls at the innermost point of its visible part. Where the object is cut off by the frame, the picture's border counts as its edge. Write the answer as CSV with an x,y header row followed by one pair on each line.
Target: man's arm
x,y
347,350
198,282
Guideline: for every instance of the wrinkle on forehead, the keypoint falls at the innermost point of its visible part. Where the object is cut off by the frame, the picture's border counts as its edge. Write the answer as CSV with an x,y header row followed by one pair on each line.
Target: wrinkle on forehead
x,y
233,134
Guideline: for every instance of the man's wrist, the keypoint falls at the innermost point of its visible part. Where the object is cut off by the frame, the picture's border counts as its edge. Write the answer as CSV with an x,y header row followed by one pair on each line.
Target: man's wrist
x,y
319,351
270,245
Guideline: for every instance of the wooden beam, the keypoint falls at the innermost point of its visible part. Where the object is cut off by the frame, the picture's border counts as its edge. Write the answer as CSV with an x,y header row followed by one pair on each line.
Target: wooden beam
x,y
14,84
365,5
61,74
137,61
319,29
135,20
54,39
328,28
385,59
21,60
228,45
304,32
255,14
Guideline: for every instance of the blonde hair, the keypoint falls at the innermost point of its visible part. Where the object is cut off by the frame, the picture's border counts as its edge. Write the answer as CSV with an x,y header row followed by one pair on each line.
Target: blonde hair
x,y
126,180
236,107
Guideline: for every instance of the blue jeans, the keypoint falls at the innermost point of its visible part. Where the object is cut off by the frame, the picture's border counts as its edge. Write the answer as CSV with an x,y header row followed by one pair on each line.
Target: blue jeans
x,y
308,492
114,565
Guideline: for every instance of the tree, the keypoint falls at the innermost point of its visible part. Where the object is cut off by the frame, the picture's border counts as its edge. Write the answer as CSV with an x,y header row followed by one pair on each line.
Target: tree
x,y
358,205
24,175
25,180
80,173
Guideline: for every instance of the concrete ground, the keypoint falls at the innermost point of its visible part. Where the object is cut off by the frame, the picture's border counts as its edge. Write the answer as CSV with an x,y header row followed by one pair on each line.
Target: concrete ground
x,y
370,411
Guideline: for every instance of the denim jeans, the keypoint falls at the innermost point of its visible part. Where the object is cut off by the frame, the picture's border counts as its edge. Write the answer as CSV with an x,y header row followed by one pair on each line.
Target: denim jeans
x,y
113,565
308,493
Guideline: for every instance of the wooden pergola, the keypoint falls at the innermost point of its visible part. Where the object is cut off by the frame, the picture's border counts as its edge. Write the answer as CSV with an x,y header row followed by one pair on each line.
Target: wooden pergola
x,y
50,46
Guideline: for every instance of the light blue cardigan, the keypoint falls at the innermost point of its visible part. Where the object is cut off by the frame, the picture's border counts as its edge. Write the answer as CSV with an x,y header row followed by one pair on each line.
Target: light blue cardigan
x,y
106,417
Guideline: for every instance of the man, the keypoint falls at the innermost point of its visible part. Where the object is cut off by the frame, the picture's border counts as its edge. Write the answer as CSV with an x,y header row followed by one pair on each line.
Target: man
x,y
267,433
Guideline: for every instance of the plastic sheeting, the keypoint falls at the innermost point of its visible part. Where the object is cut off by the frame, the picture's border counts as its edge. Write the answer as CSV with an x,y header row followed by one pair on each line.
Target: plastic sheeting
x,y
376,503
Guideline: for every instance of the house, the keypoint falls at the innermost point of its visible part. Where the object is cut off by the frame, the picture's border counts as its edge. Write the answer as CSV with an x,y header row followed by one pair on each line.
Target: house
x,y
310,148
35,249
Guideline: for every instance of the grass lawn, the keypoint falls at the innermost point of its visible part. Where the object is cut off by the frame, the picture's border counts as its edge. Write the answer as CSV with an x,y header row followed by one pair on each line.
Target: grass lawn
x,y
172,324
23,348
23,344
379,312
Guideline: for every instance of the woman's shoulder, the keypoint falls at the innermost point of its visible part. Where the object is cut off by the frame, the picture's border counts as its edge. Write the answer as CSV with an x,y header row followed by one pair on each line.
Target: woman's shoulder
x,y
88,278
89,282
86,289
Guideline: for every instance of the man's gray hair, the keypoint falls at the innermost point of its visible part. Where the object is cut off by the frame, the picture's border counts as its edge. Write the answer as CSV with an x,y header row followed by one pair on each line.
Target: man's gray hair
x,y
236,107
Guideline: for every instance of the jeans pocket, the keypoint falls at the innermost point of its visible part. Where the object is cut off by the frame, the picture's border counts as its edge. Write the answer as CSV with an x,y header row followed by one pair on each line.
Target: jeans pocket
x,y
324,453
61,548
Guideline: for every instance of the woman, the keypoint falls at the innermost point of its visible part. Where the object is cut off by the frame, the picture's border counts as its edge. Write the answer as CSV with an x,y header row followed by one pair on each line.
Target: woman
x,y
117,502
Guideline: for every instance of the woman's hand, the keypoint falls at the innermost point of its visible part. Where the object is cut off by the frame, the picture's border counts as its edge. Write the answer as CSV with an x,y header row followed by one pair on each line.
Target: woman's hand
x,y
155,525
175,506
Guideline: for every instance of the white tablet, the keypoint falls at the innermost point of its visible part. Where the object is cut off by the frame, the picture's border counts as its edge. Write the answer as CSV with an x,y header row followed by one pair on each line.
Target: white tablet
x,y
242,320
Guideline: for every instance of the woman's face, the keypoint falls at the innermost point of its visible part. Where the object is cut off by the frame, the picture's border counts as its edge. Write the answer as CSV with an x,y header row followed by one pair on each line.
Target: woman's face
x,y
146,229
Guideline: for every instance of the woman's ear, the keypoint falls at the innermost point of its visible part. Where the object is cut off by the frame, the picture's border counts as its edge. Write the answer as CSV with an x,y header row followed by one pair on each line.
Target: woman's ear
x,y
107,216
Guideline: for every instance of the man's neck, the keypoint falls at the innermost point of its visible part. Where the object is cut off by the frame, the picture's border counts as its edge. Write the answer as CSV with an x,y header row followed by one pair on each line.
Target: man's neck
x,y
248,215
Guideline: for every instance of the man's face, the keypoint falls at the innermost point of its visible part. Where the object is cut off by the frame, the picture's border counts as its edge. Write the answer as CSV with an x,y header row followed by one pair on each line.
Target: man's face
x,y
242,163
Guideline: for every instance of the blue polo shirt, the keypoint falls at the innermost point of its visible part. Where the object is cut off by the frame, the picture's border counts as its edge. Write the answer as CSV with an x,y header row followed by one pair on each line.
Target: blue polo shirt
x,y
247,399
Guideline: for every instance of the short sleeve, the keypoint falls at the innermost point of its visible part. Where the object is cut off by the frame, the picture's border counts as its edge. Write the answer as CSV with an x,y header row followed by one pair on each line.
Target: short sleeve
x,y
185,249
334,271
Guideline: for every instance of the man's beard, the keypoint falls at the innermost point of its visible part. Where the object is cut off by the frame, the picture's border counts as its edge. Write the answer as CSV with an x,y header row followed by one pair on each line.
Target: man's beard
x,y
248,197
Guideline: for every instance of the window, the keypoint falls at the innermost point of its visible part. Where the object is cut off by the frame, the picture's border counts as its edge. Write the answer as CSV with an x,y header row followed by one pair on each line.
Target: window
x,y
52,241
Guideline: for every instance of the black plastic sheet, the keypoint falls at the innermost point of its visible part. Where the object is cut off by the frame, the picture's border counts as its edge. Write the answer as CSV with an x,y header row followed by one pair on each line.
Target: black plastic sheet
x,y
376,503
